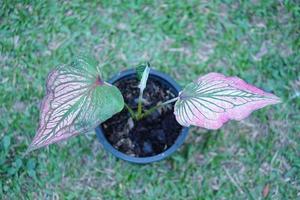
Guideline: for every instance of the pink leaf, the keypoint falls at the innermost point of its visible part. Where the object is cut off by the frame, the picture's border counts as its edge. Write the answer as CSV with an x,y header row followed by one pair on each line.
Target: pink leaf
x,y
77,100
214,99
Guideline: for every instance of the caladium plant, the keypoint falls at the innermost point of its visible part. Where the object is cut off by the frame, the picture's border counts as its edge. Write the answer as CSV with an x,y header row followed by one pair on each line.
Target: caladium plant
x,y
78,100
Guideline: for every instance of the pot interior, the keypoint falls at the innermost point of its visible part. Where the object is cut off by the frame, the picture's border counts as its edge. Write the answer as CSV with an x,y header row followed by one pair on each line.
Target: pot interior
x,y
151,135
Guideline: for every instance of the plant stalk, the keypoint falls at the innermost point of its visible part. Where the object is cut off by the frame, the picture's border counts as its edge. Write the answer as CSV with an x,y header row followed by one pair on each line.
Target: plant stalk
x,y
132,113
151,110
139,113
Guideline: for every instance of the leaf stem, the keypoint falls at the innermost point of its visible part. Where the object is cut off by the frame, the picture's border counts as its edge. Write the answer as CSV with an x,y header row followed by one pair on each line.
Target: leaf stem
x,y
132,113
142,86
151,110
139,112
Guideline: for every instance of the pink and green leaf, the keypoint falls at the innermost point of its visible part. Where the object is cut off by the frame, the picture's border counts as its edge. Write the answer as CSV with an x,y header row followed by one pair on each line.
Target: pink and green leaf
x,y
77,100
215,99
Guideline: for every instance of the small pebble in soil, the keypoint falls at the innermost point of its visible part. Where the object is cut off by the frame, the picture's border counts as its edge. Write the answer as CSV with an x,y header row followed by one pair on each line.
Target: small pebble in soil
x,y
147,148
161,136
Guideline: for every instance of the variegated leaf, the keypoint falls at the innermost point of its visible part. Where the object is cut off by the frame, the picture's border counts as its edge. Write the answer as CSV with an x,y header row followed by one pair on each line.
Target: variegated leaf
x,y
145,75
214,99
140,70
77,100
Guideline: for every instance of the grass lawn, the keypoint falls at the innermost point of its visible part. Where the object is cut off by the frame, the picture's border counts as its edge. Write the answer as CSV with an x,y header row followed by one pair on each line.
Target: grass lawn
x,y
259,41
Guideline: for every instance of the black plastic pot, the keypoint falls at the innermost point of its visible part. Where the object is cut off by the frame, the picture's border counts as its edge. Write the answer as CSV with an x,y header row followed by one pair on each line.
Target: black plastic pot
x,y
174,87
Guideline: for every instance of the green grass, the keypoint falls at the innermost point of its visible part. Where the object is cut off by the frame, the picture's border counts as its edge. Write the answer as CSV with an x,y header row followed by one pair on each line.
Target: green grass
x,y
258,41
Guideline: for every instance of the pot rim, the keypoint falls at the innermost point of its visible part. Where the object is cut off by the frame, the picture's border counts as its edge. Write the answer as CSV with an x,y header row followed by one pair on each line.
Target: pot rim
x,y
143,160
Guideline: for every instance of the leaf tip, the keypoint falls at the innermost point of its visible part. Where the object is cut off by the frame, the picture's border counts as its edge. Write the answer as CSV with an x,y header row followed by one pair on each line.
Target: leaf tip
x,y
273,98
30,149
277,100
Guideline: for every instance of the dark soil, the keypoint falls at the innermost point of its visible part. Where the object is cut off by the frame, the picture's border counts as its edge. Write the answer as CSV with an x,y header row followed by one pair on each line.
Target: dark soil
x,y
151,135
